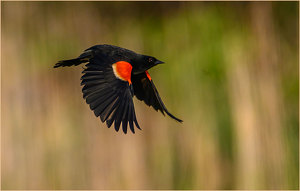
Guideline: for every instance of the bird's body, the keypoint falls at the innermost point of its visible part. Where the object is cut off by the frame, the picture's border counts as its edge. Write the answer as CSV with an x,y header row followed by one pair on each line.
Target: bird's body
x,y
113,75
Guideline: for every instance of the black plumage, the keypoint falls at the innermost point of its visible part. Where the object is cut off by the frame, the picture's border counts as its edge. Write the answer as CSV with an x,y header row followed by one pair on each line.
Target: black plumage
x,y
112,76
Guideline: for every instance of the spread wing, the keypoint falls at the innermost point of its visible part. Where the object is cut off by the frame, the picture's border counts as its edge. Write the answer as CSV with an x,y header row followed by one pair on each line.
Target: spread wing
x,y
145,90
107,95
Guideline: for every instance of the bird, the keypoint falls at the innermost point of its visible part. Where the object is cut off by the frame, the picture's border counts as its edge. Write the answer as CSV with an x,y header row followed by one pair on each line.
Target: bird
x,y
112,76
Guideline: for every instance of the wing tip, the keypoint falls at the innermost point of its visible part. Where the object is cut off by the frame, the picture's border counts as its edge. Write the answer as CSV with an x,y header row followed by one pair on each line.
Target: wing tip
x,y
173,117
179,120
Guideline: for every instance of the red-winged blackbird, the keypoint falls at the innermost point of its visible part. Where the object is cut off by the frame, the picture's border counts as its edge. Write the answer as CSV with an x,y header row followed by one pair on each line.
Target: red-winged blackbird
x,y
112,76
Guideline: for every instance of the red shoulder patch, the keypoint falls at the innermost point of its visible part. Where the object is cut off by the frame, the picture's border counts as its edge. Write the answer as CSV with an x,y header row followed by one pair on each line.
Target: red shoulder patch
x,y
122,70
148,75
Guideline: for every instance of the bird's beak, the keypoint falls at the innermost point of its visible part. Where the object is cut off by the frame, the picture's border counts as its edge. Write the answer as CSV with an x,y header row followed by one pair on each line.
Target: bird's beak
x,y
158,62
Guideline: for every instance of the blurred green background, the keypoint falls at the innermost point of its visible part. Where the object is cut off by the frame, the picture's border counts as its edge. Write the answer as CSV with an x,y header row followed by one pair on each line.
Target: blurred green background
x,y
231,74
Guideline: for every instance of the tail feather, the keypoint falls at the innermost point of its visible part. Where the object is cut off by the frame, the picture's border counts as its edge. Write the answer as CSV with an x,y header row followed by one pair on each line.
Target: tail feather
x,y
71,62
84,57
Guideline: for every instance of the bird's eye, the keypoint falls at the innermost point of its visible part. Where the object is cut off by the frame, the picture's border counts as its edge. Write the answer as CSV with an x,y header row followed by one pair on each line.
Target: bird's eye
x,y
150,59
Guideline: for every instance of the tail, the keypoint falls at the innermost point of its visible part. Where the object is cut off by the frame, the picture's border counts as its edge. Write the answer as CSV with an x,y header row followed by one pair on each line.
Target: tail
x,y
84,57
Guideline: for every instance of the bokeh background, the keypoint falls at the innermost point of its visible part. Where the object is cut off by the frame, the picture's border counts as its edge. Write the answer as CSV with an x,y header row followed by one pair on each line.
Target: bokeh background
x,y
231,74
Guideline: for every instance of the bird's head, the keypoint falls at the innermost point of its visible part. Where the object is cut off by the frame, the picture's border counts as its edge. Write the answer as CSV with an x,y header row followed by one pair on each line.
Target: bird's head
x,y
143,63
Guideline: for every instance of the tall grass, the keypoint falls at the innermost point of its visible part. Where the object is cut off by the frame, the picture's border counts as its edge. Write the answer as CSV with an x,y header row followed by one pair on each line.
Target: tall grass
x,y
231,74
